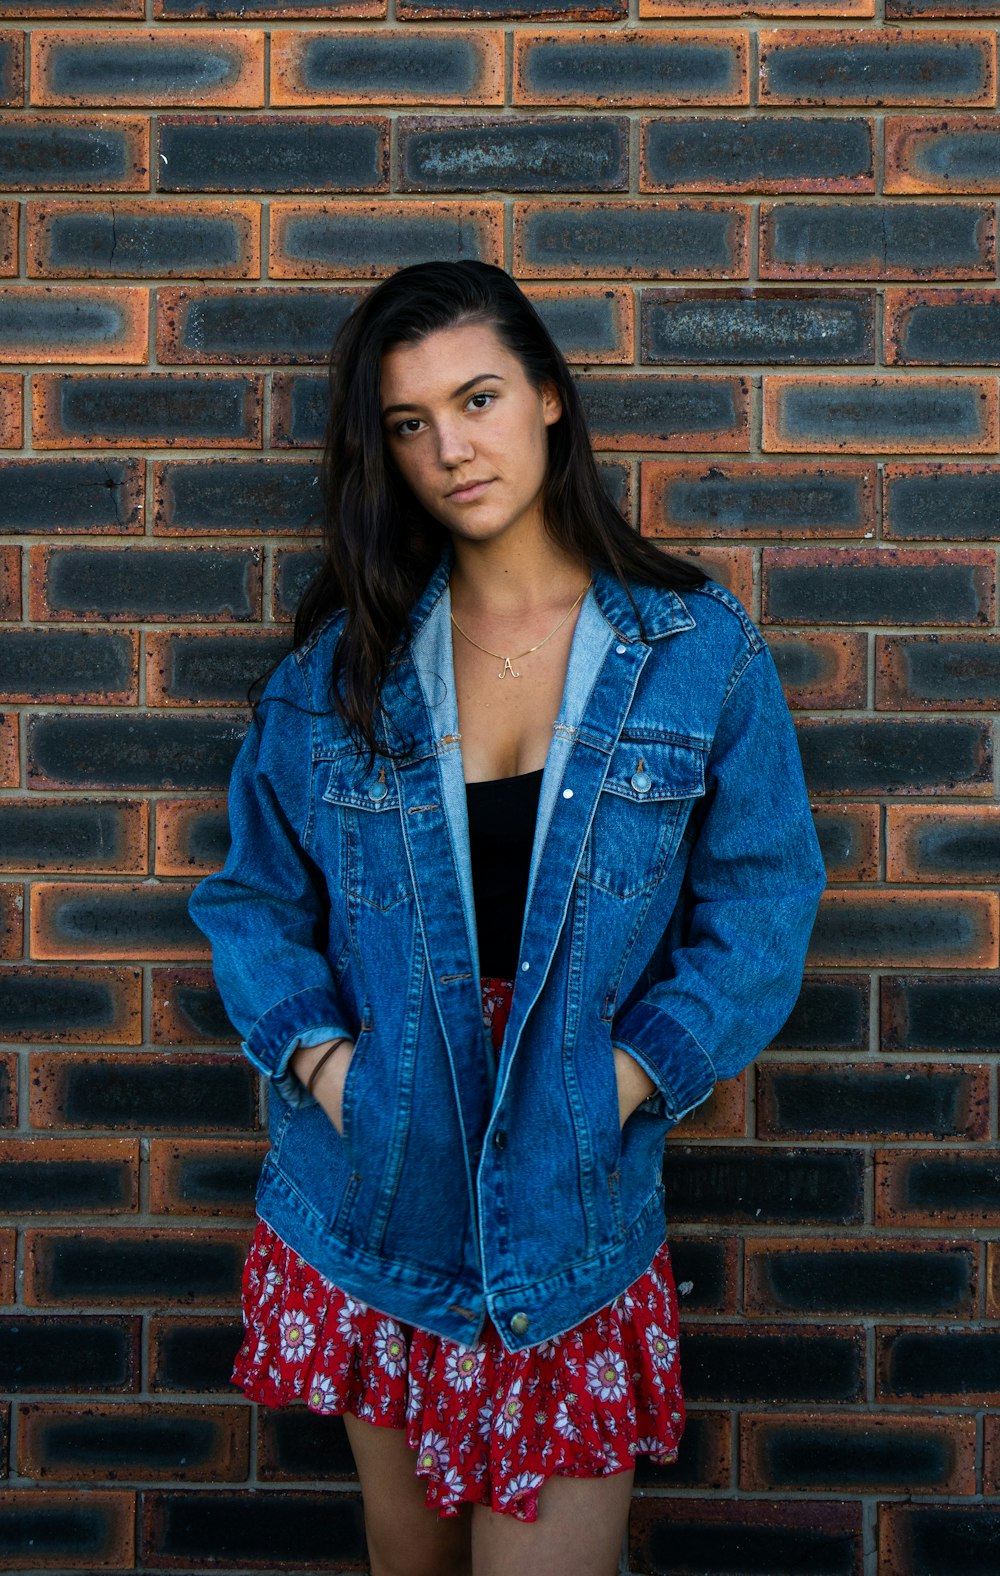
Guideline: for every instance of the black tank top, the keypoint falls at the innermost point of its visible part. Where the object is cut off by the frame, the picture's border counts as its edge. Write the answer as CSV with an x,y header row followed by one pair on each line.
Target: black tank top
x,y
502,812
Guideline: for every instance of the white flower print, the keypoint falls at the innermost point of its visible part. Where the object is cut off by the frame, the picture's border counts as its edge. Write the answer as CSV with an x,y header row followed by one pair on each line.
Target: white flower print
x,y
484,1422
461,1366
433,1455
510,1413
322,1394
297,1334
453,1484
350,1312
663,1348
273,1278
390,1347
607,1376
565,1424
522,1483
548,1348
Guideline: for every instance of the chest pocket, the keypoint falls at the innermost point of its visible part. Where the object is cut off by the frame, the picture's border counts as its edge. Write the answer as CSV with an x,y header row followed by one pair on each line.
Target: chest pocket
x,y
373,863
649,789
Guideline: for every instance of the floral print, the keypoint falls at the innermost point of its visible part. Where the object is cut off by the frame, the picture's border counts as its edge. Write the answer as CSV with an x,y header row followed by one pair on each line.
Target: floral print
x,y
486,1425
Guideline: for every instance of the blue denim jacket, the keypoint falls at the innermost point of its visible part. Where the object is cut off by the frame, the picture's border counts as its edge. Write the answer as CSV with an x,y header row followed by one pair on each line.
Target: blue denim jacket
x,y
674,882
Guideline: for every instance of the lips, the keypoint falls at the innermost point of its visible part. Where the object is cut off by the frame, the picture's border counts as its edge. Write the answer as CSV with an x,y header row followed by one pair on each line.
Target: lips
x,y
472,491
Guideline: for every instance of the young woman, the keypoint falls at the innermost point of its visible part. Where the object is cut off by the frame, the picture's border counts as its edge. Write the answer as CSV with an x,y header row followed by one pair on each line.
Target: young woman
x,y
522,863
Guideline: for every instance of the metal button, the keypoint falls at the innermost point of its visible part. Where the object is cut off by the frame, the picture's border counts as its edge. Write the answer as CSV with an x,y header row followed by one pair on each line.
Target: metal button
x,y
567,793
525,966
519,1323
500,1139
641,781
621,650
378,791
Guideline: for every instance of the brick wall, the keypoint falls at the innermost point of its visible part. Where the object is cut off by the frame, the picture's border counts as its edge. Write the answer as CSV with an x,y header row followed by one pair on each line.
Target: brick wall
x,y
765,235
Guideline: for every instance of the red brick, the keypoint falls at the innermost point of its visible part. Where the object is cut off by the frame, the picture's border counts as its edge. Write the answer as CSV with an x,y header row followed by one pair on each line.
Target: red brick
x,y
602,240
801,1100
962,672
887,929
201,1092
130,134
589,301
151,585
304,235
110,836
61,1006
969,513
950,415
879,240
138,239
850,839
702,432
107,325
290,66
833,669
176,821
963,325
158,411
821,1275
280,10
10,769
225,67
935,842
654,81
43,1529
7,1265
858,52
713,9
11,920
743,499
875,596
12,52
158,1441
722,1115
80,8
8,1089
968,1182
8,238
85,1154
786,1453
170,1160
11,415
94,1268
192,1354
917,153
10,582
121,919
187,1010
993,1281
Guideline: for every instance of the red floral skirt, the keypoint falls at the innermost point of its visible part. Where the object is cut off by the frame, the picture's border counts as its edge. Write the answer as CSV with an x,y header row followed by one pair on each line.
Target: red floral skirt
x,y
487,1425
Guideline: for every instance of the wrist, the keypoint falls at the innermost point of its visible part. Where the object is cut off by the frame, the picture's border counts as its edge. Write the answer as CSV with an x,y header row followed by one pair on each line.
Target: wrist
x,y
307,1058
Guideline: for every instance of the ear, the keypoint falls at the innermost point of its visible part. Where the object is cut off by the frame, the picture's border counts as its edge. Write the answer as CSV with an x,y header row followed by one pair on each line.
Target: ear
x,y
552,407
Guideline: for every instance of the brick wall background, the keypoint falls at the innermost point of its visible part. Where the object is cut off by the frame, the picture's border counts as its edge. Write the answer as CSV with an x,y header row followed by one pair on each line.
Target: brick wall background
x,y
766,237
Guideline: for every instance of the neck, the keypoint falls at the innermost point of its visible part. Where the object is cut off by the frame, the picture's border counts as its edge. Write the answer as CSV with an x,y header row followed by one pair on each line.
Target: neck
x,y
497,579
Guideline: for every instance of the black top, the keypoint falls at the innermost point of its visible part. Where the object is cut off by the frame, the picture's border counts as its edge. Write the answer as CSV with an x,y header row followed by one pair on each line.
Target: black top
x,y
502,812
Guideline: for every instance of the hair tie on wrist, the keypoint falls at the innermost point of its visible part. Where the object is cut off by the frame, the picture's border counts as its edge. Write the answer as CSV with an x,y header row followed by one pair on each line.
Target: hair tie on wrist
x,y
323,1061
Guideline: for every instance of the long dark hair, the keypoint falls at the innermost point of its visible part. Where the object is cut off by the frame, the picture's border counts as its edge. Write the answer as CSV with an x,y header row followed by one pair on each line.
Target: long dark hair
x,y
379,544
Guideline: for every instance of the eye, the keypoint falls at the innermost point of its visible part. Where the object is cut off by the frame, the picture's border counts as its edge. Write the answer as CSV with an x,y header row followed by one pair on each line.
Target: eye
x,y
398,429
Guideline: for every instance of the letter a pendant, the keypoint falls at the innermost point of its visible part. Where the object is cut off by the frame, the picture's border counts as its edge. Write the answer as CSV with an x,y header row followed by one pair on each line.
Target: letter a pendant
x,y
508,669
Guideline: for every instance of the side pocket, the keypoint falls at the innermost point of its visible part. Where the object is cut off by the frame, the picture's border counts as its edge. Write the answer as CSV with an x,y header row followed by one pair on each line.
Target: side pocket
x,y
614,1193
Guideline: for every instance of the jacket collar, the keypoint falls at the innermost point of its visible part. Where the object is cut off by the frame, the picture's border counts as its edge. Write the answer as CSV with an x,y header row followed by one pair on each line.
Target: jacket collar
x,y
661,610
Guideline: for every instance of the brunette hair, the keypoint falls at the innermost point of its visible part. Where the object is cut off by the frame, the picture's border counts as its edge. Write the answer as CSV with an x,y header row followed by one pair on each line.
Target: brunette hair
x,y
379,544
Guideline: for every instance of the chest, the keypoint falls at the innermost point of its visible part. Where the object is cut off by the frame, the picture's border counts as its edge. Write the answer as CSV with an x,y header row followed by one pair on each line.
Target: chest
x,y
506,722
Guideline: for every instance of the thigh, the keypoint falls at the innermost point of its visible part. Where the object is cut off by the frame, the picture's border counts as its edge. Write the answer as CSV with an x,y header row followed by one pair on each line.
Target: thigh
x,y
579,1531
406,1537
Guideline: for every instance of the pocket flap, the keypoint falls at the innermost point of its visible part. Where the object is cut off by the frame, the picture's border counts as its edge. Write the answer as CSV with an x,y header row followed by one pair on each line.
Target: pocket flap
x,y
350,784
644,768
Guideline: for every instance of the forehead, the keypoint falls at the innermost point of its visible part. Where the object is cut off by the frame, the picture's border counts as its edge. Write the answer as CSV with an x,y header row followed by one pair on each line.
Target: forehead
x,y
442,359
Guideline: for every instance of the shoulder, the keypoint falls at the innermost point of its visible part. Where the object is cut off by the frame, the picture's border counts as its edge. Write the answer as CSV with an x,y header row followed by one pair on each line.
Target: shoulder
x,y
723,637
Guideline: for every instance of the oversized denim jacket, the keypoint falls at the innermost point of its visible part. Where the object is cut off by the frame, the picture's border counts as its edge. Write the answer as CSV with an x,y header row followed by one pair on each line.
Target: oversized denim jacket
x,y
674,882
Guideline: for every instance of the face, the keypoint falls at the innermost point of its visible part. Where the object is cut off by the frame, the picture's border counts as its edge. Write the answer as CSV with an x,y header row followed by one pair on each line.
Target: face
x,y
465,412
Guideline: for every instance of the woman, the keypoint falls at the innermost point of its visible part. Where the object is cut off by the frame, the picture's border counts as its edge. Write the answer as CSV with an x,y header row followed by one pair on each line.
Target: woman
x,y
513,742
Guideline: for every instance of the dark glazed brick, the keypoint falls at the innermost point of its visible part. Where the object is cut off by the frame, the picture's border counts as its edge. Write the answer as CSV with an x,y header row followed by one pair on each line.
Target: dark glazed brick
x,y
703,1461
267,153
929,154
48,1176
664,412
79,1006
876,240
918,1454
70,834
789,1364
195,1354
897,10
940,1540
297,1443
105,153
11,68
46,496
110,919
859,415
141,751
67,665
158,409
864,1099
42,1529
630,240
589,323
952,1184
242,10
211,669
896,757
449,153
937,1365
829,1015
942,502
744,1538
213,1178
106,66
157,583
957,842
152,1266
906,928
141,240
72,8
557,10
386,67
740,499
877,586
299,409
187,1008
206,1530
364,240
943,327
196,838
292,573
277,326
942,672
776,154
133,1441
68,1354
776,327
761,1185
917,1278
141,1092
643,68
704,1272
235,496
942,1012
876,67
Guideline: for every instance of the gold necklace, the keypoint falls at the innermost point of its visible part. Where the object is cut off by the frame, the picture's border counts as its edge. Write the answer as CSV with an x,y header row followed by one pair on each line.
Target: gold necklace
x,y
507,668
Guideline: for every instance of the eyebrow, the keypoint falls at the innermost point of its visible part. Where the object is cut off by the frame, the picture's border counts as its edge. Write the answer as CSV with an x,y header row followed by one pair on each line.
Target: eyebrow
x,y
390,409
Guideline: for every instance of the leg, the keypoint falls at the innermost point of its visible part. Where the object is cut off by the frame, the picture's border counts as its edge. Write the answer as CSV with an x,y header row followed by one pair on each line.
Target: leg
x,y
579,1531
406,1537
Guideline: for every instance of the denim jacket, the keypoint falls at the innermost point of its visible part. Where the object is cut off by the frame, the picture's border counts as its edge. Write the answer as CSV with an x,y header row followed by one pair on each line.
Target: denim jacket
x,y
674,881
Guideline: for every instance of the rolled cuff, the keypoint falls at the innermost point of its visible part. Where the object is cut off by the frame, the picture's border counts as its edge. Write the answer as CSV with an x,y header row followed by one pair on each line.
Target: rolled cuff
x,y
307,1017
681,1068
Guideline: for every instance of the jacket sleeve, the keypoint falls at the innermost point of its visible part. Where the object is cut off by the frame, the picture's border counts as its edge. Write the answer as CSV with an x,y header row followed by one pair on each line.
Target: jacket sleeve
x,y
267,912
750,892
